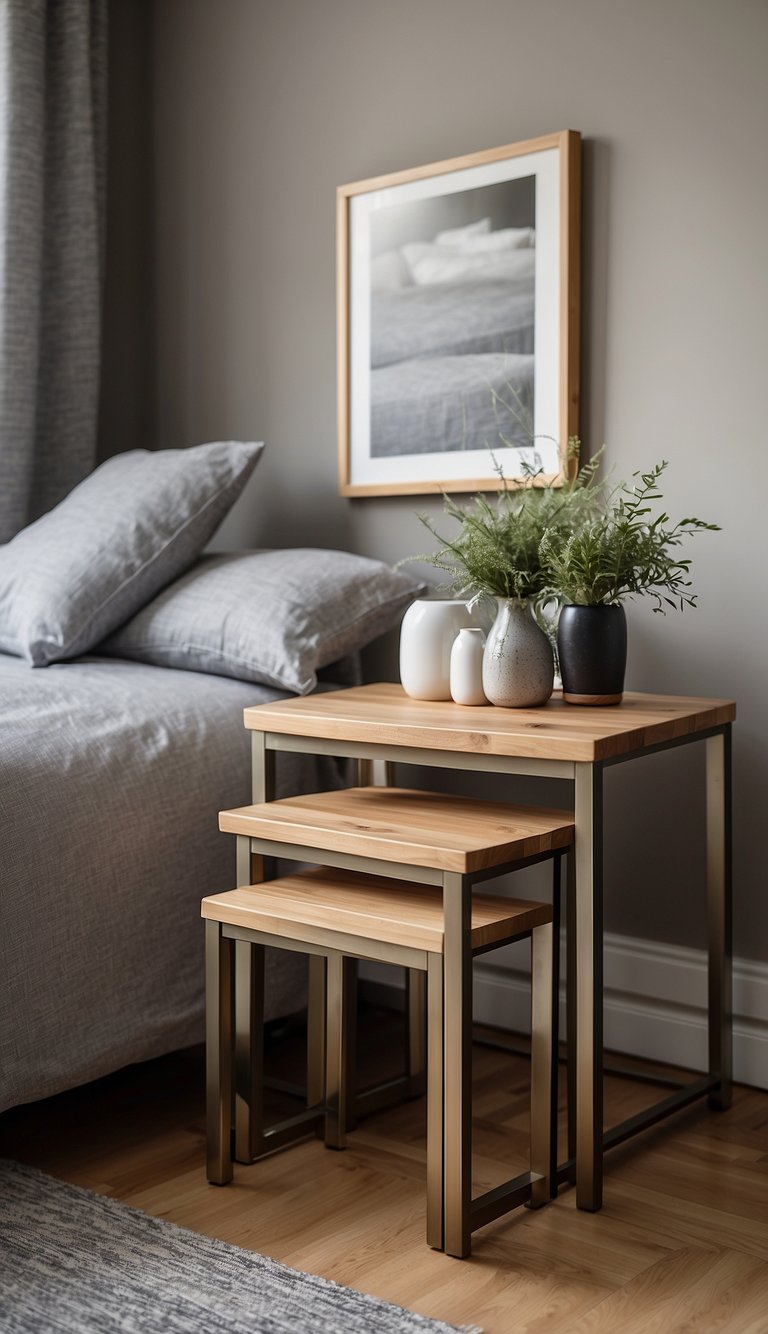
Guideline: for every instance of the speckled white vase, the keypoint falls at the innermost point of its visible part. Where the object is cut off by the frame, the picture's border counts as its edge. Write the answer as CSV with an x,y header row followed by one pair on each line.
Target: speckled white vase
x,y
518,665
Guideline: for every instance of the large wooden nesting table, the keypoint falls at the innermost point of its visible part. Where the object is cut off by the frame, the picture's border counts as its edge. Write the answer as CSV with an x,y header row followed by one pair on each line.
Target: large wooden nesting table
x,y
380,722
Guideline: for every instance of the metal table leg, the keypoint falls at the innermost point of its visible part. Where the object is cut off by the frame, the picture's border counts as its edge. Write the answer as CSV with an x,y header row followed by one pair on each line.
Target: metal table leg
x,y
218,1052
249,1022
457,1055
589,986
336,1063
435,1099
719,914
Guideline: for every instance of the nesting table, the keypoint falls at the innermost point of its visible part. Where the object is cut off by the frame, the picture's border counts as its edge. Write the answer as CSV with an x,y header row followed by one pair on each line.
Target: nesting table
x,y
557,740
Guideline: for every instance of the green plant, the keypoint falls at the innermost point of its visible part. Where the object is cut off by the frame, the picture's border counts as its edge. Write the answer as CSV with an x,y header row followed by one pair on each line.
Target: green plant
x,y
622,551
496,551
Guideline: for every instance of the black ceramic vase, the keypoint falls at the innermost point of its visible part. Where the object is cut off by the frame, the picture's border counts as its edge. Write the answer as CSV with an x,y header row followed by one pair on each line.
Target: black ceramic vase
x,y
592,647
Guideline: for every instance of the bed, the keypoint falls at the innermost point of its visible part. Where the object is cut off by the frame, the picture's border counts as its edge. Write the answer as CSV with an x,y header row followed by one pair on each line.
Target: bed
x,y
111,777
126,659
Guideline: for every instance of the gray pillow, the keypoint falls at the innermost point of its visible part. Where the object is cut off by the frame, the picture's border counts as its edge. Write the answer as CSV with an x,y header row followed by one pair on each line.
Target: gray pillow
x,y
130,528
275,617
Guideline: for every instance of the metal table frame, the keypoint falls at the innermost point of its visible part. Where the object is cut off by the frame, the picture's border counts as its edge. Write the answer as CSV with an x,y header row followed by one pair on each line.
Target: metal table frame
x,y
585,920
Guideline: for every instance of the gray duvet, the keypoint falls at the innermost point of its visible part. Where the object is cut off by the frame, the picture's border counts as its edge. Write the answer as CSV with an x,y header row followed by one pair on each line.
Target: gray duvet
x,y
111,777
451,320
445,359
450,403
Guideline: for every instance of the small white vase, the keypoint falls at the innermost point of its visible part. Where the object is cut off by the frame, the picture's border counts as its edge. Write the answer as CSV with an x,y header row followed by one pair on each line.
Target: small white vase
x,y
467,668
518,665
426,637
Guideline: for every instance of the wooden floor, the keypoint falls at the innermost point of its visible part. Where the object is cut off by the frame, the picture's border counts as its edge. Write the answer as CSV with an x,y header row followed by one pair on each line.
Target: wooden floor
x,y
680,1245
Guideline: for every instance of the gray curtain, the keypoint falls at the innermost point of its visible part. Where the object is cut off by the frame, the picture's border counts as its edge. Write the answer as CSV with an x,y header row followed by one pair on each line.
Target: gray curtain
x,y
53,60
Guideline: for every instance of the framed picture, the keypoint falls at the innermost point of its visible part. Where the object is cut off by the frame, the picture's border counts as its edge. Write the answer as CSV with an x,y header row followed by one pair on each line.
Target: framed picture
x,y
458,321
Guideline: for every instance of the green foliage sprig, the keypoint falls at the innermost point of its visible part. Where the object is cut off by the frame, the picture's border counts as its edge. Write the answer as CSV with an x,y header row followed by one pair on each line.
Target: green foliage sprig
x,y
622,551
496,551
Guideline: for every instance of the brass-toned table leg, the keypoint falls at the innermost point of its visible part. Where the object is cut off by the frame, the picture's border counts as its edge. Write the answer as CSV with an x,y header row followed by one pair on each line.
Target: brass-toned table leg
x,y
351,1083
589,986
457,1056
262,770
316,1037
336,1054
249,1023
543,1152
558,875
719,914
570,999
218,1053
375,773
416,1007
316,1028
435,1127
249,1049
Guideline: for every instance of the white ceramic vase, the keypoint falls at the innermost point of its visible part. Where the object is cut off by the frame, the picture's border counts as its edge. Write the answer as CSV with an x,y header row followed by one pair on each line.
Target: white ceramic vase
x,y
518,665
426,637
467,667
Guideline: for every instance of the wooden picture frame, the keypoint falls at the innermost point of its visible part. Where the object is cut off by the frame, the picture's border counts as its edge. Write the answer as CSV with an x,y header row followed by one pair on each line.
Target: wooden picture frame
x,y
458,321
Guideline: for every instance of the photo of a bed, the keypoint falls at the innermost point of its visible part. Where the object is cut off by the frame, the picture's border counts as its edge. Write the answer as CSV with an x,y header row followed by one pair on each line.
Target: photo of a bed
x,y
457,300
452,322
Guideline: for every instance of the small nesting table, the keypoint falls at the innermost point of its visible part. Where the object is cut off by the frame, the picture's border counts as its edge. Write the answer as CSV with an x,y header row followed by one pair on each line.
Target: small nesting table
x,y
557,740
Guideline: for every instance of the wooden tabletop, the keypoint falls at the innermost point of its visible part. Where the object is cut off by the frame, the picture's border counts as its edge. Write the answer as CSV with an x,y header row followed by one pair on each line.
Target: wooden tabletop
x,y
384,715
448,833
303,905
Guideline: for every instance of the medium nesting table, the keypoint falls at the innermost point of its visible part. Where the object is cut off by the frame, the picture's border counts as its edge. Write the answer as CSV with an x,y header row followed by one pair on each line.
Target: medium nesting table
x,y
557,740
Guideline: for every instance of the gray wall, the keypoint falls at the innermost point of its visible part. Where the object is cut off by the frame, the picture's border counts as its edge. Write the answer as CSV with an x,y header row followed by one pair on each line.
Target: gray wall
x,y
260,109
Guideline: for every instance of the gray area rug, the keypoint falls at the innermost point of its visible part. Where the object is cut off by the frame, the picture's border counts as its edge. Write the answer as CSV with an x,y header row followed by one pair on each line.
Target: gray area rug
x,y
85,1264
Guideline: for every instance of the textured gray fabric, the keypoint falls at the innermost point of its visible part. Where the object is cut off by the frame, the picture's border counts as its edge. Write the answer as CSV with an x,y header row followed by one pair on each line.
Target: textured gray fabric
x,y
437,404
74,1261
269,616
111,777
451,319
115,541
52,135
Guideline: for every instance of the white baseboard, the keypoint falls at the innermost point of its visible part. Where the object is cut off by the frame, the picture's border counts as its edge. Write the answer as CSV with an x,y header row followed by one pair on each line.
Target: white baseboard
x,y
655,1004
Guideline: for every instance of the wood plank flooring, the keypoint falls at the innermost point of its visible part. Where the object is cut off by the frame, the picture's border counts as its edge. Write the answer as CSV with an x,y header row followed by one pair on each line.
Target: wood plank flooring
x,y
680,1245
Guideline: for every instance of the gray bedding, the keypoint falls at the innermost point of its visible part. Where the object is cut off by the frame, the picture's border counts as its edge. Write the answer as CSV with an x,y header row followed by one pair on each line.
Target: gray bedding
x,y
440,356
436,404
111,777
451,319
